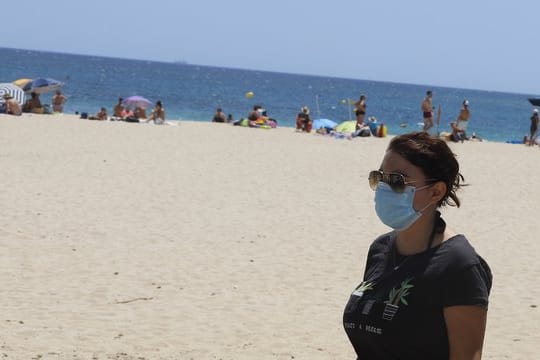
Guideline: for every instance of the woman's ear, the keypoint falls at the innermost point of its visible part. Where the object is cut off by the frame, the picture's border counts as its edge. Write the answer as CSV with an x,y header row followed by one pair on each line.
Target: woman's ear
x,y
438,190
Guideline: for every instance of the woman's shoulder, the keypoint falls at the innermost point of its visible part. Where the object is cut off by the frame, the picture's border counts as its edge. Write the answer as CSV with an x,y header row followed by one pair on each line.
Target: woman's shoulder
x,y
456,253
382,243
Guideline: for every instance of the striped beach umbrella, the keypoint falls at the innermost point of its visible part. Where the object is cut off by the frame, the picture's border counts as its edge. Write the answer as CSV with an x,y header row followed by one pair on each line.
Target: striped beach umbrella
x,y
15,91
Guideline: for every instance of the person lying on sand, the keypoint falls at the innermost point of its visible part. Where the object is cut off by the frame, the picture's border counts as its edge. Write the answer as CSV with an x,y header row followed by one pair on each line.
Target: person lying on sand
x,y
11,106
101,115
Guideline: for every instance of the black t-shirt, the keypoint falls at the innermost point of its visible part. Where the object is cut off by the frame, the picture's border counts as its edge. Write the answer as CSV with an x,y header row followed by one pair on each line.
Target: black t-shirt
x,y
397,313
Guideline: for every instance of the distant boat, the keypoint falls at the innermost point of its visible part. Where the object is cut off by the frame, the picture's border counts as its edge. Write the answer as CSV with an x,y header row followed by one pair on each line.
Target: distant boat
x,y
535,101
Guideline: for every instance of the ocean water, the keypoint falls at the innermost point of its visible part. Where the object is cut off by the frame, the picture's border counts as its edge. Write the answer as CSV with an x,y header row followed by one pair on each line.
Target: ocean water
x,y
193,92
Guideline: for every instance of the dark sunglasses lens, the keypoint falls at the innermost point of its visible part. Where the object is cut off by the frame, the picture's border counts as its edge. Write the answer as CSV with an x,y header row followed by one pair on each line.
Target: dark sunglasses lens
x,y
396,182
374,178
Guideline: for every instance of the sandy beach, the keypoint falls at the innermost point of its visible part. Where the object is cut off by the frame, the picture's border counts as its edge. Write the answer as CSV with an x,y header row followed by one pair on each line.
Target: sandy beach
x,y
209,241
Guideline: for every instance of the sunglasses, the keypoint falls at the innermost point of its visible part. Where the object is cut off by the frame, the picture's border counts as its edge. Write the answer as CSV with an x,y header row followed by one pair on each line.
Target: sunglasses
x,y
395,180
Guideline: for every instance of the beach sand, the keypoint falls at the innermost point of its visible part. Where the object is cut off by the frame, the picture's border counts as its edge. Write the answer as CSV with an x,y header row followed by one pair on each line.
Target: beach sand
x,y
208,241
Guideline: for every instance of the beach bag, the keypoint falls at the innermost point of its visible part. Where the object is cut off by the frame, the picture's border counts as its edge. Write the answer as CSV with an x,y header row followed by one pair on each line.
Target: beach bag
x,y
373,126
132,119
84,115
382,131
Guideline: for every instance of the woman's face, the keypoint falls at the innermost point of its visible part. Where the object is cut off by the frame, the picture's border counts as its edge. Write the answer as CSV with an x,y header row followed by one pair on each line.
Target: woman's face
x,y
395,163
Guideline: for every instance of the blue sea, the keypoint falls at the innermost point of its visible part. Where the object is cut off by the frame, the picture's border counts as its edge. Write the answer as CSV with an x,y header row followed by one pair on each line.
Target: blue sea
x,y
193,92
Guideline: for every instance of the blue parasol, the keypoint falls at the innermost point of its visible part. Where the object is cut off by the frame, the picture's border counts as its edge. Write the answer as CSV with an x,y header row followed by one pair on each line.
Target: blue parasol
x,y
326,123
42,85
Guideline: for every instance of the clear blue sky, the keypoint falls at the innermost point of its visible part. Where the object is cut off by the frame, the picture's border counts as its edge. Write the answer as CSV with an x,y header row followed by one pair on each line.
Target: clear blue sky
x,y
488,45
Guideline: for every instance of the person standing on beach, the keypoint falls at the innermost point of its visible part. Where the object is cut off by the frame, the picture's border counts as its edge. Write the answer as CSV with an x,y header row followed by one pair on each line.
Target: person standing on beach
x,y
534,127
58,101
427,111
360,111
462,120
425,290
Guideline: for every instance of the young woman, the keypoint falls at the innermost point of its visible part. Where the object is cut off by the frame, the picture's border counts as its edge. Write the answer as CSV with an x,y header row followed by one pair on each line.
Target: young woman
x,y
158,114
119,111
360,111
425,290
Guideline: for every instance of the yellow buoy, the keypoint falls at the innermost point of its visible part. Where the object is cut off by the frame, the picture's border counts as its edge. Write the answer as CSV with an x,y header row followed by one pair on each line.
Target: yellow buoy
x,y
250,94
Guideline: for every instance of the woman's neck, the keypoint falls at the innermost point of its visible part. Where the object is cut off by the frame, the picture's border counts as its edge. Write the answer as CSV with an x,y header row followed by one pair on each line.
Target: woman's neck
x,y
417,238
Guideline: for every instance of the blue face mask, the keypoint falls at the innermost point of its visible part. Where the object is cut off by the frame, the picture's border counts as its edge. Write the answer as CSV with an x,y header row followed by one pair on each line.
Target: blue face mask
x,y
396,209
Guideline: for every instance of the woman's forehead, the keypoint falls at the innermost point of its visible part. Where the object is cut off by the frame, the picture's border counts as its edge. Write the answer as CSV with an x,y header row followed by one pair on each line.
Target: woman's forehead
x,y
394,162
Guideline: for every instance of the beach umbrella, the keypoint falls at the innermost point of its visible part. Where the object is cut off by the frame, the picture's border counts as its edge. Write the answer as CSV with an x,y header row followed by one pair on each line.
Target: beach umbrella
x,y
21,82
348,126
15,91
326,123
42,85
136,101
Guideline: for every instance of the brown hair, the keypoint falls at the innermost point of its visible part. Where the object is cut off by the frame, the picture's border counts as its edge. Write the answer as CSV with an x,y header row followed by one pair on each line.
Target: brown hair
x,y
434,157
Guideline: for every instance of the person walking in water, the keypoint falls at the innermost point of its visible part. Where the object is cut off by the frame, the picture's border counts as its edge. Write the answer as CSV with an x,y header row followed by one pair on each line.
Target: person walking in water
x,y
427,110
534,127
